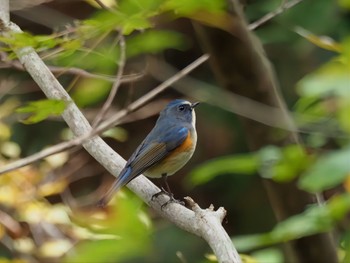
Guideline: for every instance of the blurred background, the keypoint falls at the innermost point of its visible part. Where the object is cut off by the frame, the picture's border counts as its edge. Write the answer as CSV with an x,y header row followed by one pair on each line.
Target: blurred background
x,y
46,208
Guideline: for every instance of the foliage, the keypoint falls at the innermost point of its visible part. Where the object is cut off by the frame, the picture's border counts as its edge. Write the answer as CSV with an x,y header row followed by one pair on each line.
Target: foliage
x,y
39,225
42,109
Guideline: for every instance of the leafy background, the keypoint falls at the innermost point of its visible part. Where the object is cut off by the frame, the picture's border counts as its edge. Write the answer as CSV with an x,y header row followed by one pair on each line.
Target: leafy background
x,y
46,209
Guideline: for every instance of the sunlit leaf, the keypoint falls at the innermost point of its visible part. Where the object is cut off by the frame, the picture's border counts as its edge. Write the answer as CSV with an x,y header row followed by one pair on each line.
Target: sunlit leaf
x,y
320,41
10,149
332,78
42,109
315,219
270,255
187,7
344,3
124,220
153,42
329,170
347,183
90,91
248,259
283,164
241,164
116,133
55,248
51,188
212,13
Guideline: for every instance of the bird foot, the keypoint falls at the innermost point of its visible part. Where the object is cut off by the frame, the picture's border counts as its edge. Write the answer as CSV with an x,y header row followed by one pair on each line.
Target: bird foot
x,y
171,198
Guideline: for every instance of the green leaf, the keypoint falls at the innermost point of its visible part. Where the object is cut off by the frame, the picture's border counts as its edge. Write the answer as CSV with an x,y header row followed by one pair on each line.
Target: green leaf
x,y
42,109
241,164
126,221
282,164
153,41
130,15
329,171
188,7
90,91
315,219
331,79
270,255
344,4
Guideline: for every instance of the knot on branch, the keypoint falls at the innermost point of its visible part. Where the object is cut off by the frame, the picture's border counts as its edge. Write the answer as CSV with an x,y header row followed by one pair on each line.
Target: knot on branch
x,y
204,213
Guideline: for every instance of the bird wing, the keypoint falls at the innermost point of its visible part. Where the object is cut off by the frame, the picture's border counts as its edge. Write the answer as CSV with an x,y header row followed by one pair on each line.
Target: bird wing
x,y
152,151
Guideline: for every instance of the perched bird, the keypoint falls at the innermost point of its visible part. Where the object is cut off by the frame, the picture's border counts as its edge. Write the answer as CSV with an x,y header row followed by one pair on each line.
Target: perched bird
x,y
165,150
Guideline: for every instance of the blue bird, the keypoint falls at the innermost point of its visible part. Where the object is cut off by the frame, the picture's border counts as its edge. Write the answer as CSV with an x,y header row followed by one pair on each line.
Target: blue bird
x,y
165,150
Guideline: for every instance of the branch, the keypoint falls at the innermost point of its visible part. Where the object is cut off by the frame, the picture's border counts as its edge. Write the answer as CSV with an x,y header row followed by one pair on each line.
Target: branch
x,y
115,86
284,6
7,63
179,215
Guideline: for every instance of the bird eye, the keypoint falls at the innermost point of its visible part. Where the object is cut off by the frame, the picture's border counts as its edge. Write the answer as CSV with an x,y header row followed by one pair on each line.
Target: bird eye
x,y
181,107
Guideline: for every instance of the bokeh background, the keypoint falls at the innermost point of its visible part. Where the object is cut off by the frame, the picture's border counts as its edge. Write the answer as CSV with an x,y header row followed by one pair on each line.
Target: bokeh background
x,y
46,208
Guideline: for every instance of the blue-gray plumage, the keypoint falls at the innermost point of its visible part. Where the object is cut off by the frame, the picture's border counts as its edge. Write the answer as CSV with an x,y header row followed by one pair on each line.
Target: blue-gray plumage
x,y
165,150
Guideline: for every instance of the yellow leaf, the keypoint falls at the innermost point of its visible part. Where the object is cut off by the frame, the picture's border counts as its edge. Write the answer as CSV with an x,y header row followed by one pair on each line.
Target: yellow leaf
x,y
347,184
55,248
52,188
324,42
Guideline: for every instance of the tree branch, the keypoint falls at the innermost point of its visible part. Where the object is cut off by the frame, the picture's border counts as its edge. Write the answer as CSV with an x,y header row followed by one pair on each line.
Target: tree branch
x,y
115,86
71,70
179,215
284,6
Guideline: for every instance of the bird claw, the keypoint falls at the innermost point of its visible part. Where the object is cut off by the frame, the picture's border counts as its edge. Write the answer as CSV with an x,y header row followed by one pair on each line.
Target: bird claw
x,y
171,200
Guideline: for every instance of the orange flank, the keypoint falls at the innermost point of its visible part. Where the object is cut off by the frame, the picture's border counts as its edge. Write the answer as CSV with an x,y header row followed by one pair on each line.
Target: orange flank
x,y
175,160
185,146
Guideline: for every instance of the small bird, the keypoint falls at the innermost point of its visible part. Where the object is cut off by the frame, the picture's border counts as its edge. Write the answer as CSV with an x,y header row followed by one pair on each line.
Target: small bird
x,y
165,150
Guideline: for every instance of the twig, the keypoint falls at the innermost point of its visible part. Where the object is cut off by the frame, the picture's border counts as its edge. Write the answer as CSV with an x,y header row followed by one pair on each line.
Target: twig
x,y
102,5
116,84
284,6
108,123
160,88
72,70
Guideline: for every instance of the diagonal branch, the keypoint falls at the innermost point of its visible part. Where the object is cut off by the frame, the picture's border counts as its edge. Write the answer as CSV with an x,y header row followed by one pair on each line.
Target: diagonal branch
x,y
7,63
284,6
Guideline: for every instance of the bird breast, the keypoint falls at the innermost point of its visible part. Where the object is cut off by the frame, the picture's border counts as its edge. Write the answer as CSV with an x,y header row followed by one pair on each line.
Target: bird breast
x,y
176,159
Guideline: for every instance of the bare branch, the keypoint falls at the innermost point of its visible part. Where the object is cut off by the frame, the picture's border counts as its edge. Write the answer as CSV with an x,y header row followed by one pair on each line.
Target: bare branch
x,y
116,84
160,88
7,63
284,6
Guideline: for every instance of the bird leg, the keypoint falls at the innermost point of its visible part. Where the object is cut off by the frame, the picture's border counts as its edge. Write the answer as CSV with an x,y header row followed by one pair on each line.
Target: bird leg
x,y
165,189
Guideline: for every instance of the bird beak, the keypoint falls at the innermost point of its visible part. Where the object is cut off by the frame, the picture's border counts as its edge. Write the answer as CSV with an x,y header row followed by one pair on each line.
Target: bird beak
x,y
193,105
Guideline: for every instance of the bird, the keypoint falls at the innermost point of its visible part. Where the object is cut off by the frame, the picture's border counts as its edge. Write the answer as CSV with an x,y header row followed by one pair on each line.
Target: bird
x,y
165,150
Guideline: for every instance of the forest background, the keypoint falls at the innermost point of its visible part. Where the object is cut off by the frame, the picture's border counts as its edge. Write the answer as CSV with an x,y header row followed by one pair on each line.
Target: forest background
x,y
270,146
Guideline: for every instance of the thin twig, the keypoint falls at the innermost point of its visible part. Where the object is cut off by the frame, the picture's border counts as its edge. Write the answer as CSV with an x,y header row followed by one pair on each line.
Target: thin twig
x,y
150,95
108,123
121,63
102,5
71,70
284,6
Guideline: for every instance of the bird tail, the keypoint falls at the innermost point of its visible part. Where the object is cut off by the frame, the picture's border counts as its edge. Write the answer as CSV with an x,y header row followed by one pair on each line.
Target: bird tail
x,y
122,180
